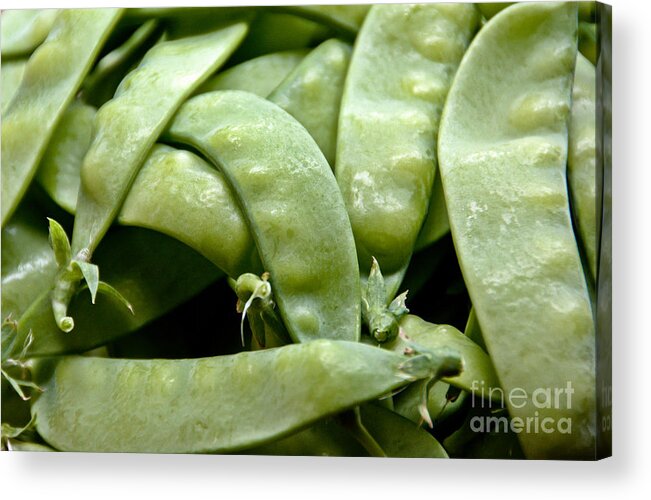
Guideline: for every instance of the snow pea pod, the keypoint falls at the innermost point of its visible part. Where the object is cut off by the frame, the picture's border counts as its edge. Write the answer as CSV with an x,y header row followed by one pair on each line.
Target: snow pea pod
x,y
53,75
502,154
260,75
154,272
96,404
581,159
399,75
436,223
312,92
176,193
22,31
11,75
346,18
292,204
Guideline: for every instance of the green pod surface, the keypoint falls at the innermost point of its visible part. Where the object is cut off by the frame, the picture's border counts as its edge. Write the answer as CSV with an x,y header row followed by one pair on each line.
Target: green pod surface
x,y
588,40
502,154
22,31
402,65
103,404
312,92
436,223
292,204
143,104
260,75
582,157
346,18
53,75
10,77
155,274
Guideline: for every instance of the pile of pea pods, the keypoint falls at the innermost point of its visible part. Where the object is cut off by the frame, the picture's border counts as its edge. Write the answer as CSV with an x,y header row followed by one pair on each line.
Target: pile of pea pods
x,y
301,230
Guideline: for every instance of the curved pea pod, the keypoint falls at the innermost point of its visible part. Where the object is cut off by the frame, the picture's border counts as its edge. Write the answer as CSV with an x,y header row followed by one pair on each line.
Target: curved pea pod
x,y
22,31
398,436
97,404
478,373
154,272
399,75
260,75
176,193
442,403
436,223
291,201
312,92
491,9
11,75
502,154
28,263
581,159
346,18
53,75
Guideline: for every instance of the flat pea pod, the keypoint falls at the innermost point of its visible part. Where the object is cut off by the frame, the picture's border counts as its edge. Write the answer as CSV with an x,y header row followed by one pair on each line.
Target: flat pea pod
x,y
478,372
502,155
53,75
346,18
11,75
582,157
588,40
292,204
27,262
97,404
260,75
312,92
398,436
436,223
22,31
143,105
404,59
175,192
154,272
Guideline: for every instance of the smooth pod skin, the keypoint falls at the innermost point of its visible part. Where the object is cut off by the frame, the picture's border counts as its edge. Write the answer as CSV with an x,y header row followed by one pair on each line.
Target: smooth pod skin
x,y
11,75
143,104
154,272
436,223
312,92
260,75
292,204
582,157
404,59
347,18
22,31
502,155
53,75
219,404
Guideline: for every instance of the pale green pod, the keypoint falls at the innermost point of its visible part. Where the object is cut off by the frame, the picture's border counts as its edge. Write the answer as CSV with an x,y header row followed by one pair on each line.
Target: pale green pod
x,y
292,204
436,223
53,75
402,66
22,31
11,75
503,154
582,157
99,404
312,92
260,75
347,18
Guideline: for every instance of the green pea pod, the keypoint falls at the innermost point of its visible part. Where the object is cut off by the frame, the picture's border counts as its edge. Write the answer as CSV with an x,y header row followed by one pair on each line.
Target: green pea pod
x,y
259,76
154,272
11,75
400,72
97,404
311,93
502,154
478,373
588,41
292,204
22,31
53,75
27,262
101,84
582,157
490,9
436,223
176,193
346,18
398,436
440,405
